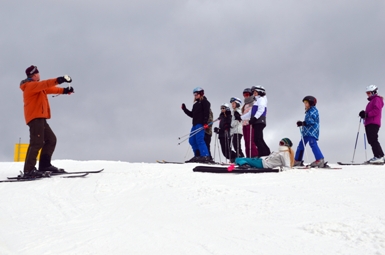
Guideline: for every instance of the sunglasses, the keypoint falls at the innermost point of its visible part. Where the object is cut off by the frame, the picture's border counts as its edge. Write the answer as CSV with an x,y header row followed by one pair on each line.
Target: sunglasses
x,y
223,108
282,143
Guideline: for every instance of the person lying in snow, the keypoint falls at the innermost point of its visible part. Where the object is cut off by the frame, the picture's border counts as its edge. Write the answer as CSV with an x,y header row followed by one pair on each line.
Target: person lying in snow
x,y
284,158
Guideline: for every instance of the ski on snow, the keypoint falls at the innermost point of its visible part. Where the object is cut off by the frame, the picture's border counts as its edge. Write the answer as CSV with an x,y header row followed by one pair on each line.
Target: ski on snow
x,y
206,163
61,175
168,162
236,170
357,164
80,172
317,168
20,180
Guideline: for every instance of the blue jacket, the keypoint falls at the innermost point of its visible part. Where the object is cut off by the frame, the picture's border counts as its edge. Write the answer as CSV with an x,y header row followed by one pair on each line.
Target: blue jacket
x,y
312,123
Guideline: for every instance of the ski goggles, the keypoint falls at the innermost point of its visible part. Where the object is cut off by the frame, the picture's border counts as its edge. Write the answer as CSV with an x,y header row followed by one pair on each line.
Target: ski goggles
x,y
234,99
285,142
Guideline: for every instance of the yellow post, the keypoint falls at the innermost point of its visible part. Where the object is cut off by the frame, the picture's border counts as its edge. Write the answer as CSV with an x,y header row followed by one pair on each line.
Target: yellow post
x,y
20,152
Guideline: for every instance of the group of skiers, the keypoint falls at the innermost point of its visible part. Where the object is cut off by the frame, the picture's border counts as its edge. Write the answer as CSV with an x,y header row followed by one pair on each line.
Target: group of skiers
x,y
235,123
248,121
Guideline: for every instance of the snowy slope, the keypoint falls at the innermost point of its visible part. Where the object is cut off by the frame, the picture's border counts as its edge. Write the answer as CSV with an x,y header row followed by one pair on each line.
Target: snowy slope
x,y
138,208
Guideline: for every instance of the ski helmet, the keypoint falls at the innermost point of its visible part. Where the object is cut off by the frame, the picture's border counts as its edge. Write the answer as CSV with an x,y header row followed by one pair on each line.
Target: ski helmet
x,y
260,89
247,90
236,100
198,90
372,88
226,106
312,100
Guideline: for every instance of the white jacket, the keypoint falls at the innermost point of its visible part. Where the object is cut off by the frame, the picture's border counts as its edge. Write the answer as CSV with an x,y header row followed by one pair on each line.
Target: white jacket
x,y
236,125
260,106
278,159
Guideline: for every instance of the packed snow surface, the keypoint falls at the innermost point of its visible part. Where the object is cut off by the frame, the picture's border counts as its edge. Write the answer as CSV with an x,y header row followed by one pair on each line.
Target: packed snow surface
x,y
141,208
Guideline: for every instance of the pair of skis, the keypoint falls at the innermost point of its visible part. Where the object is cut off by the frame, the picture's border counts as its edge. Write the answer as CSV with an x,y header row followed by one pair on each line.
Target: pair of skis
x,y
173,162
47,175
358,164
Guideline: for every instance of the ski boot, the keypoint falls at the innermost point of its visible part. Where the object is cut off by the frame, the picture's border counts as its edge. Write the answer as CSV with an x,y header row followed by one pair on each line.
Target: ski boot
x,y
318,163
33,174
52,169
298,163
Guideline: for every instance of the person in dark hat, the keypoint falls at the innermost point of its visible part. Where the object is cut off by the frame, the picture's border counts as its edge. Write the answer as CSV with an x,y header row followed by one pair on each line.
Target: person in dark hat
x,y
36,113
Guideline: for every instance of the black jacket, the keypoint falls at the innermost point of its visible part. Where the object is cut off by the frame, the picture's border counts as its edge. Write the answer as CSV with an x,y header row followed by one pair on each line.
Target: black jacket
x,y
224,123
200,112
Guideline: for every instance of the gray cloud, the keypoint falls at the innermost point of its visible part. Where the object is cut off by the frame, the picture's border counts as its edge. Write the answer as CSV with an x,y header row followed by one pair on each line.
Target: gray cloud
x,y
134,62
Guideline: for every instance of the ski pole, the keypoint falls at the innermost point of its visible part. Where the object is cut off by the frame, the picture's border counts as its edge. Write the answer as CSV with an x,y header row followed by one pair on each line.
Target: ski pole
x,y
355,145
250,138
184,140
187,153
197,130
215,145
191,133
366,156
219,152
304,145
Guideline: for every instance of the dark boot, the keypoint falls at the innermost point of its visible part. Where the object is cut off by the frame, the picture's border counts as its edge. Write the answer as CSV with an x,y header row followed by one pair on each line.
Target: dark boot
x,y
32,174
45,165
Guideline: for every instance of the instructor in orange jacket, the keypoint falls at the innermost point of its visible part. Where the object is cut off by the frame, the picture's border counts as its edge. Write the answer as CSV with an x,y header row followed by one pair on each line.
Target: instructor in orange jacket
x,y
36,113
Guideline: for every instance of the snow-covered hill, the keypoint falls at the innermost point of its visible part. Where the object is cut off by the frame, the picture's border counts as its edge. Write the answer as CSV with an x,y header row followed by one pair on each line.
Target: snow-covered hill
x,y
138,208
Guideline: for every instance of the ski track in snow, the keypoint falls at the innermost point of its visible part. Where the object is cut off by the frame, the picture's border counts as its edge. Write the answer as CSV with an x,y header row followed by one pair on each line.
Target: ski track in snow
x,y
141,208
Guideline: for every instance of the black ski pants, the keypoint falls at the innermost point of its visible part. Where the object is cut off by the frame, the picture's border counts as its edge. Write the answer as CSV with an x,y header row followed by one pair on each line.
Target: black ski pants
x,y
237,145
40,137
225,142
263,149
372,136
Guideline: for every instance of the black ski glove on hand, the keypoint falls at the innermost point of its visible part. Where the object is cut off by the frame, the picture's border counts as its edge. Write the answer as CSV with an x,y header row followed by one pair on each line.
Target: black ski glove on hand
x,y
362,114
216,130
301,123
64,78
68,90
237,116
252,121
183,106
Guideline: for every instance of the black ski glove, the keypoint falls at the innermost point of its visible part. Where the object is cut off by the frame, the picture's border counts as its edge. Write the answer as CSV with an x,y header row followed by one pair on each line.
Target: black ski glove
x,y
183,107
252,121
64,78
363,114
301,123
237,116
68,90
216,130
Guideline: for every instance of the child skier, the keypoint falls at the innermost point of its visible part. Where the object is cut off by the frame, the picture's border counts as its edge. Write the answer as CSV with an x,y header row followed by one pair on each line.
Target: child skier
x,y
224,132
372,121
236,127
309,133
284,158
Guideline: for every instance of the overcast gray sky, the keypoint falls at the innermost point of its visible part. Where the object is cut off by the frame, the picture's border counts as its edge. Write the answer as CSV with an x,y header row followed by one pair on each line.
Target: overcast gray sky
x,y
133,64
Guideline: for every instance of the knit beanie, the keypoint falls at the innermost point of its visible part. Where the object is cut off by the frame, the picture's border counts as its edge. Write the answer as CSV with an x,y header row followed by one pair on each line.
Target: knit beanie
x,y
31,70
286,142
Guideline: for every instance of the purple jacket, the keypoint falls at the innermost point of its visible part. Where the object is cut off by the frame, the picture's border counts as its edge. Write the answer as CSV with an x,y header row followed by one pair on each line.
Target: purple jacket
x,y
374,110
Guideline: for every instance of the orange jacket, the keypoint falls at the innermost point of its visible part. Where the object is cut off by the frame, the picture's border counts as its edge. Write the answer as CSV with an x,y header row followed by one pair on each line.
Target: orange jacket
x,y
36,103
